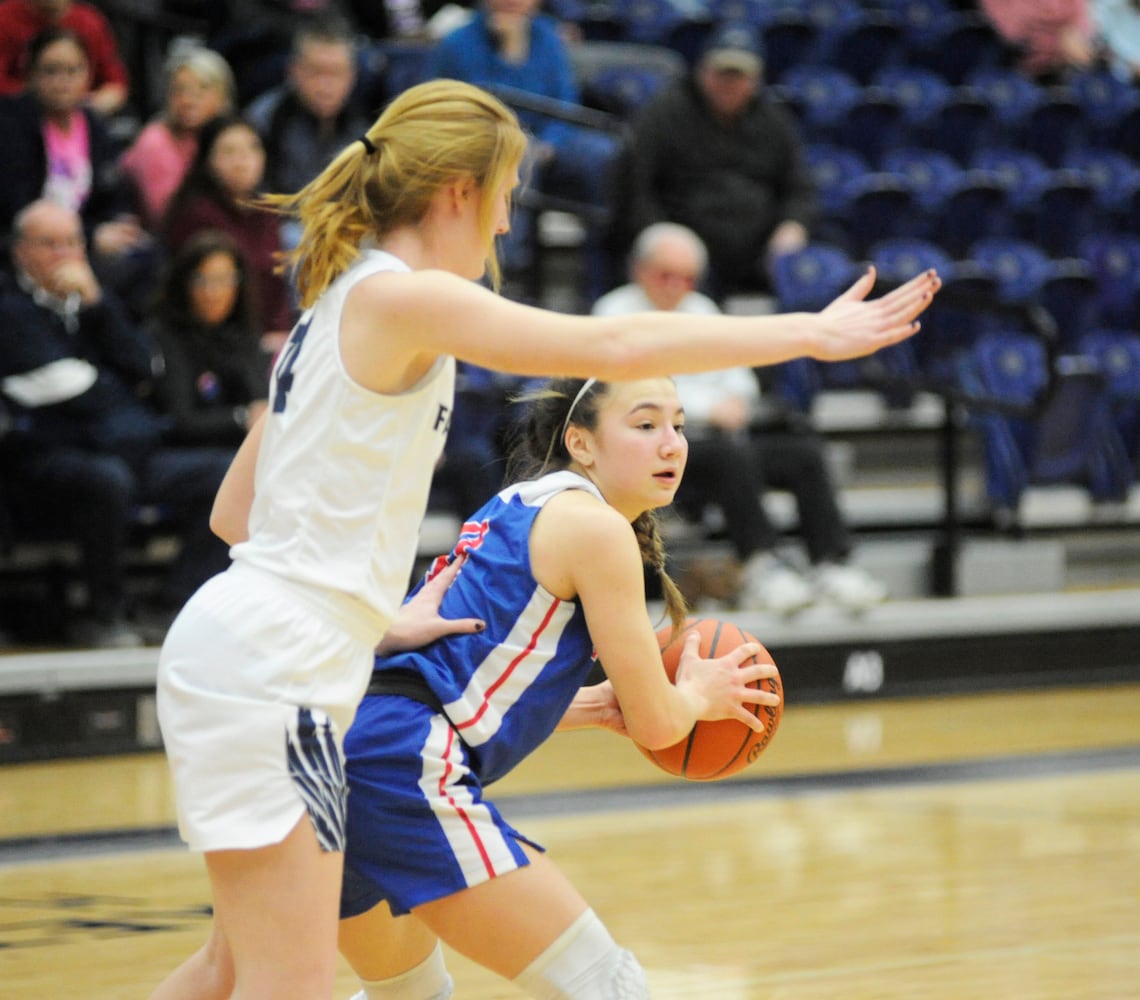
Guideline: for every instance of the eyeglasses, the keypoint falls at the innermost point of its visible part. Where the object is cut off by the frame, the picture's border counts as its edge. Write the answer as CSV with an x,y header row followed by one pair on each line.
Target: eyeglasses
x,y
54,242
215,281
664,274
62,69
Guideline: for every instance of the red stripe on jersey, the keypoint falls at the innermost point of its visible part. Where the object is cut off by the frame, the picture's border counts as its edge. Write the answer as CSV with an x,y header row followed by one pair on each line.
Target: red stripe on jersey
x,y
459,810
502,679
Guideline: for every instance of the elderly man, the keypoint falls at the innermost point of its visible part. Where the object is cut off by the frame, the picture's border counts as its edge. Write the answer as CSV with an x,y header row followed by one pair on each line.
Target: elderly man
x,y
734,457
713,153
85,448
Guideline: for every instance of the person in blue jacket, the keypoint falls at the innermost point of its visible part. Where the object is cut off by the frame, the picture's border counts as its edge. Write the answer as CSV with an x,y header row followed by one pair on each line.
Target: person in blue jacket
x,y
507,44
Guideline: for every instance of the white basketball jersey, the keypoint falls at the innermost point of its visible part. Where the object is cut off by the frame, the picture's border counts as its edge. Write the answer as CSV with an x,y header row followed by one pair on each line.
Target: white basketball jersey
x,y
343,472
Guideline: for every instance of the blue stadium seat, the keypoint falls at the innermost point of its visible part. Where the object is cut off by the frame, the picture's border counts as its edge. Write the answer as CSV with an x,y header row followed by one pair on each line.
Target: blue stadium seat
x,y
1053,422
1023,176
1055,127
832,169
754,12
1105,99
957,44
825,96
649,22
960,313
809,280
976,207
965,124
1071,296
873,124
1066,212
1115,262
1114,178
920,92
619,77
1126,133
877,206
1018,266
931,174
1118,354
863,45
791,38
1011,94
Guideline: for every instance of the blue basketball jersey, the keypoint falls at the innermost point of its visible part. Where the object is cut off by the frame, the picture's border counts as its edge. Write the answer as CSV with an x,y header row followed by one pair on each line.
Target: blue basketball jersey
x,y
505,689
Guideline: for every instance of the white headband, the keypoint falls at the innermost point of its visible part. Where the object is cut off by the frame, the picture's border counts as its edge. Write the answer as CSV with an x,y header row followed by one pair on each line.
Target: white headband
x,y
586,386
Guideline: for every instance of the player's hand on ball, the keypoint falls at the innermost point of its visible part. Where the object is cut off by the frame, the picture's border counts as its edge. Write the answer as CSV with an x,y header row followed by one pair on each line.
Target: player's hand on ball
x,y
720,686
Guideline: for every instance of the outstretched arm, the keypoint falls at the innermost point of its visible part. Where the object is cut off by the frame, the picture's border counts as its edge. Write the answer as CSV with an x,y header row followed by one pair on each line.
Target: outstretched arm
x,y
424,314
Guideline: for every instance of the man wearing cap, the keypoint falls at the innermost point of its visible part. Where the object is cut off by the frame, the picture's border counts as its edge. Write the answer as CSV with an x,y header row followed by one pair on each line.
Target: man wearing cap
x,y
713,153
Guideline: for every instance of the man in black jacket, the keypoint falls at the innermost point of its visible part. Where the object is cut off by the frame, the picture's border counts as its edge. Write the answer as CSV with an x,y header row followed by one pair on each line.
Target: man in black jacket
x,y
713,153
86,449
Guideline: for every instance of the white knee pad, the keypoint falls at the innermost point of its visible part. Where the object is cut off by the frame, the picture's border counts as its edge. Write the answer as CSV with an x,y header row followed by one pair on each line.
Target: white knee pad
x,y
585,963
427,981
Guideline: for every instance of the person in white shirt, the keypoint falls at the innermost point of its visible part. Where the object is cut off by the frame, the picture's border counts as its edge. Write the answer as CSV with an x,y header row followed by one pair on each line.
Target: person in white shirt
x,y
734,458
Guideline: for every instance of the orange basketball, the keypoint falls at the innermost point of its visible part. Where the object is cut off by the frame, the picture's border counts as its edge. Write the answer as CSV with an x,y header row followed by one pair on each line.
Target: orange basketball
x,y
715,750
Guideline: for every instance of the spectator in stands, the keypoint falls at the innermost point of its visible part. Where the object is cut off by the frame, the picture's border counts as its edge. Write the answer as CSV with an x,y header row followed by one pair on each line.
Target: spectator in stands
x,y
406,20
1118,28
199,86
734,456
57,146
311,117
226,174
713,153
258,35
86,448
1053,36
508,44
215,377
23,20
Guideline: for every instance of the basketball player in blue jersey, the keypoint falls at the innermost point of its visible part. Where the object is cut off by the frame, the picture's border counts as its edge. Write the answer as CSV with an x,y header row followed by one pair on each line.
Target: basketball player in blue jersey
x,y
261,673
554,566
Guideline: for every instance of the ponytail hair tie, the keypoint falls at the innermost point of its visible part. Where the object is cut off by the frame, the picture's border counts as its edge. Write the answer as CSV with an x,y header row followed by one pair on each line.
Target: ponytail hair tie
x,y
369,148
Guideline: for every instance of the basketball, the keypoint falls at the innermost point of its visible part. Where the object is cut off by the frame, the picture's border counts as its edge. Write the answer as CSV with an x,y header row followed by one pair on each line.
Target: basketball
x,y
715,750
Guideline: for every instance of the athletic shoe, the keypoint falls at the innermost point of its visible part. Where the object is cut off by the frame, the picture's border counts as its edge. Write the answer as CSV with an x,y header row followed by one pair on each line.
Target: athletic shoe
x,y
771,584
848,586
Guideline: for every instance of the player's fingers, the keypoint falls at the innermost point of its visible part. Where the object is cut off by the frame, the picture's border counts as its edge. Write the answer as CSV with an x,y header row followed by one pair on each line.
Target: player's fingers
x,y
908,300
692,645
758,670
464,626
751,720
861,289
743,653
758,696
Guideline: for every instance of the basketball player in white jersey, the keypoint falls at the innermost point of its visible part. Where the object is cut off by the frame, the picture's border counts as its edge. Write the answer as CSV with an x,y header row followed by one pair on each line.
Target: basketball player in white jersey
x,y
261,673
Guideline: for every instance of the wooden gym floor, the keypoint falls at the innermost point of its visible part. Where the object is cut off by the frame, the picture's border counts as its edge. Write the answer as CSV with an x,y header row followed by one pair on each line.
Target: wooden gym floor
x,y
963,847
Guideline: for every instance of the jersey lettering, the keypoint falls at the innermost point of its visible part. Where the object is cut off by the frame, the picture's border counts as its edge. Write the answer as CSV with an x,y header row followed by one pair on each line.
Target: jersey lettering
x,y
284,373
443,418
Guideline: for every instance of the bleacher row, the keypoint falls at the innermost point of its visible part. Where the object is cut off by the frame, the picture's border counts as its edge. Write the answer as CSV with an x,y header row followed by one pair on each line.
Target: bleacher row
x,y
930,150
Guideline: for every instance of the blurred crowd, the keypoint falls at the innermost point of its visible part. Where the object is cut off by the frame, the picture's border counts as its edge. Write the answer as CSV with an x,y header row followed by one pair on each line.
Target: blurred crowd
x,y
142,299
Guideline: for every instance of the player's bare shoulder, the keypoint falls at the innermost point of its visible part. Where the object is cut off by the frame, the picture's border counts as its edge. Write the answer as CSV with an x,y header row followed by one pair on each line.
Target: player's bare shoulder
x,y
576,534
